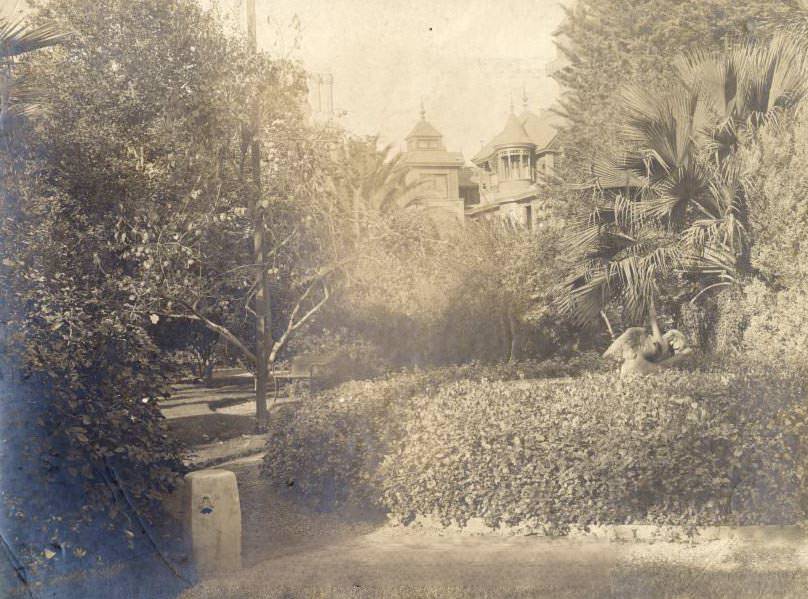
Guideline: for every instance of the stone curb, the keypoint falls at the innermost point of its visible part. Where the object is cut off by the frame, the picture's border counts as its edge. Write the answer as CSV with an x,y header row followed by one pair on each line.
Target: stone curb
x,y
648,533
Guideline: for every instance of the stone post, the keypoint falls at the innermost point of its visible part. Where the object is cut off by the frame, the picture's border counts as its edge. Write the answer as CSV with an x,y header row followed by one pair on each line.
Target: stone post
x,y
213,521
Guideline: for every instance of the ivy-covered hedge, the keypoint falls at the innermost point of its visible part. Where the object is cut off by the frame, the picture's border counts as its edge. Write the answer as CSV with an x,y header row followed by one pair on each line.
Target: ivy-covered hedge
x,y
328,448
692,449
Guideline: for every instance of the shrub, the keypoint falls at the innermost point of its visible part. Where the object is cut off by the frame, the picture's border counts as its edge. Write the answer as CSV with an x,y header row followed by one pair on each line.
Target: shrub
x,y
482,292
341,356
327,450
776,334
693,449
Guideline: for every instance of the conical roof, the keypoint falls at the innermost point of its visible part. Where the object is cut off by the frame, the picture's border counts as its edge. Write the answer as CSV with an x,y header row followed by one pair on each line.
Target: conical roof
x,y
513,134
424,129
541,128
526,129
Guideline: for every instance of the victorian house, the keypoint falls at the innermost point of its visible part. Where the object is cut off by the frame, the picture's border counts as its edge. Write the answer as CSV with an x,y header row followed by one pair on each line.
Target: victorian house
x,y
507,179
434,175
511,169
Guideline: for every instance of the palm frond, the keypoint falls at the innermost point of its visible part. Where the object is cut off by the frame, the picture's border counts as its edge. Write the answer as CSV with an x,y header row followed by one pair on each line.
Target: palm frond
x,y
16,37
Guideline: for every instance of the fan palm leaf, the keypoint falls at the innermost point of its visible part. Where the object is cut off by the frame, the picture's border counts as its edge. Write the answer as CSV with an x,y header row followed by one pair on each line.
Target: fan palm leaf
x,y
17,37
17,97
675,197
745,87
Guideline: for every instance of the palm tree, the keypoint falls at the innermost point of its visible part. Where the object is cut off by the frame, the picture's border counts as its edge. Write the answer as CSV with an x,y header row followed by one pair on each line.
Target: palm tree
x,y
675,204
371,182
17,98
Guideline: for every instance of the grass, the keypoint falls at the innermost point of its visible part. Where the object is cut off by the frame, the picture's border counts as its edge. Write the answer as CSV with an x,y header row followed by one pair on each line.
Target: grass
x,y
199,430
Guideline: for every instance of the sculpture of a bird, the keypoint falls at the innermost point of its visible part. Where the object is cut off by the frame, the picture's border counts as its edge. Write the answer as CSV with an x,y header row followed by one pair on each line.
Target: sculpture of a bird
x,y
642,353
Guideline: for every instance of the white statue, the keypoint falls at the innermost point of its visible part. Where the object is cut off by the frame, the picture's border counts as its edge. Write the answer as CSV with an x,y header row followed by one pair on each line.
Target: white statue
x,y
642,353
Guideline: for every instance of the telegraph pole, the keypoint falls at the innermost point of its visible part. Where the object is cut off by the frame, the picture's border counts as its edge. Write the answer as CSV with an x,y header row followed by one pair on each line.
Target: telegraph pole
x,y
263,315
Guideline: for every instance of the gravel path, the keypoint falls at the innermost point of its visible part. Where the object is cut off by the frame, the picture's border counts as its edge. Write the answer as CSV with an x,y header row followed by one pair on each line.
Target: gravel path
x,y
290,552
273,527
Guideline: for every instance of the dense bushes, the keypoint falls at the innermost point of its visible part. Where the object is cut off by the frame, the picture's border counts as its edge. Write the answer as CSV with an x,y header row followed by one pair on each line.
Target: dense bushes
x,y
700,448
676,449
327,450
76,191
481,292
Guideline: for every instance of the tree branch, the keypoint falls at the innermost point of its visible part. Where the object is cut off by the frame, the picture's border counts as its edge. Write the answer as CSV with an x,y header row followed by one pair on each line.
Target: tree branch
x,y
216,328
292,326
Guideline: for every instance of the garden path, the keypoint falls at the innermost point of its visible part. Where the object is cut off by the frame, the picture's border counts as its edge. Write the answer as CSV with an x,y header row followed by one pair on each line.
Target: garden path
x,y
292,552
217,421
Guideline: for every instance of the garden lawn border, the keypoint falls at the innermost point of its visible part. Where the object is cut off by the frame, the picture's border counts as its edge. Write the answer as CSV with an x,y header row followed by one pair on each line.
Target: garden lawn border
x,y
645,533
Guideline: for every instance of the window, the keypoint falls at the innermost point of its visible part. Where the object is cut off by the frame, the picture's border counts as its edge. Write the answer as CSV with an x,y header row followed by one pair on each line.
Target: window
x,y
514,158
516,164
504,167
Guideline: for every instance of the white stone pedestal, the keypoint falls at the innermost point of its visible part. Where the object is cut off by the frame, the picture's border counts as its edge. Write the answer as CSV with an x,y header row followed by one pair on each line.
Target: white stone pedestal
x,y
213,521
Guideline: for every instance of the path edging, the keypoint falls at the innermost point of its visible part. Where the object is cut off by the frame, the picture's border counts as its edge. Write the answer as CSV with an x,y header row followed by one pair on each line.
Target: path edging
x,y
648,533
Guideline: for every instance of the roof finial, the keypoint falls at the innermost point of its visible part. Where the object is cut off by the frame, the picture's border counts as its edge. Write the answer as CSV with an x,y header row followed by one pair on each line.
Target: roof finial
x,y
423,110
524,97
511,102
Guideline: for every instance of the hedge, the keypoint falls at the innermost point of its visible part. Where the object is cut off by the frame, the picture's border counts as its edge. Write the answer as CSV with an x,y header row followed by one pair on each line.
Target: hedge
x,y
327,449
688,449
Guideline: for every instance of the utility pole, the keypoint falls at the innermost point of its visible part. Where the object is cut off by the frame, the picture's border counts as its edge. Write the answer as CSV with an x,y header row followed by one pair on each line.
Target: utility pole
x,y
263,306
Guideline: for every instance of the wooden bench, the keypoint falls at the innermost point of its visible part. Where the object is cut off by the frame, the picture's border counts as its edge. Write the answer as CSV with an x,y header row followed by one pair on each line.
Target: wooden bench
x,y
299,370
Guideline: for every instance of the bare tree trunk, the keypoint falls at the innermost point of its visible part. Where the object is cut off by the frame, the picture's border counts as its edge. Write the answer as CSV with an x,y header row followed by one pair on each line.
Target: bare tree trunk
x,y
514,329
263,327
505,329
608,324
652,317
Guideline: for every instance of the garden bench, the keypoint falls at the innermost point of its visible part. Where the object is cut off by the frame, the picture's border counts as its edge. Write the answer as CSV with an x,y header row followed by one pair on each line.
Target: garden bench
x,y
300,369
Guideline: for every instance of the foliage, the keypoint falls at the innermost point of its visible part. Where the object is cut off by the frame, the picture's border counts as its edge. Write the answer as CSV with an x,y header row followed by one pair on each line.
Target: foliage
x,y
613,42
692,449
762,319
124,140
775,167
169,164
328,449
191,345
368,184
775,334
676,201
674,449
17,38
480,292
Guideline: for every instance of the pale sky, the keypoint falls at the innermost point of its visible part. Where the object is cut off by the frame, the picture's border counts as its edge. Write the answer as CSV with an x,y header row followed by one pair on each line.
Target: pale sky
x,y
465,58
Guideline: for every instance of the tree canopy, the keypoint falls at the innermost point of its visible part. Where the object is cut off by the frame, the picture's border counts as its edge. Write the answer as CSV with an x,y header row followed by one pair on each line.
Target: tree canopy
x,y
612,43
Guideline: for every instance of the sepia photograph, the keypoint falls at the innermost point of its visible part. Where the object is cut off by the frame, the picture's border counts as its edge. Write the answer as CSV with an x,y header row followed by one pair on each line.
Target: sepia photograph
x,y
368,299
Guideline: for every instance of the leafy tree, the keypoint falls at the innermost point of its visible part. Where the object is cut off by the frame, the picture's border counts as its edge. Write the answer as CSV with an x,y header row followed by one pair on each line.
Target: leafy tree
x,y
191,343
125,142
305,242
